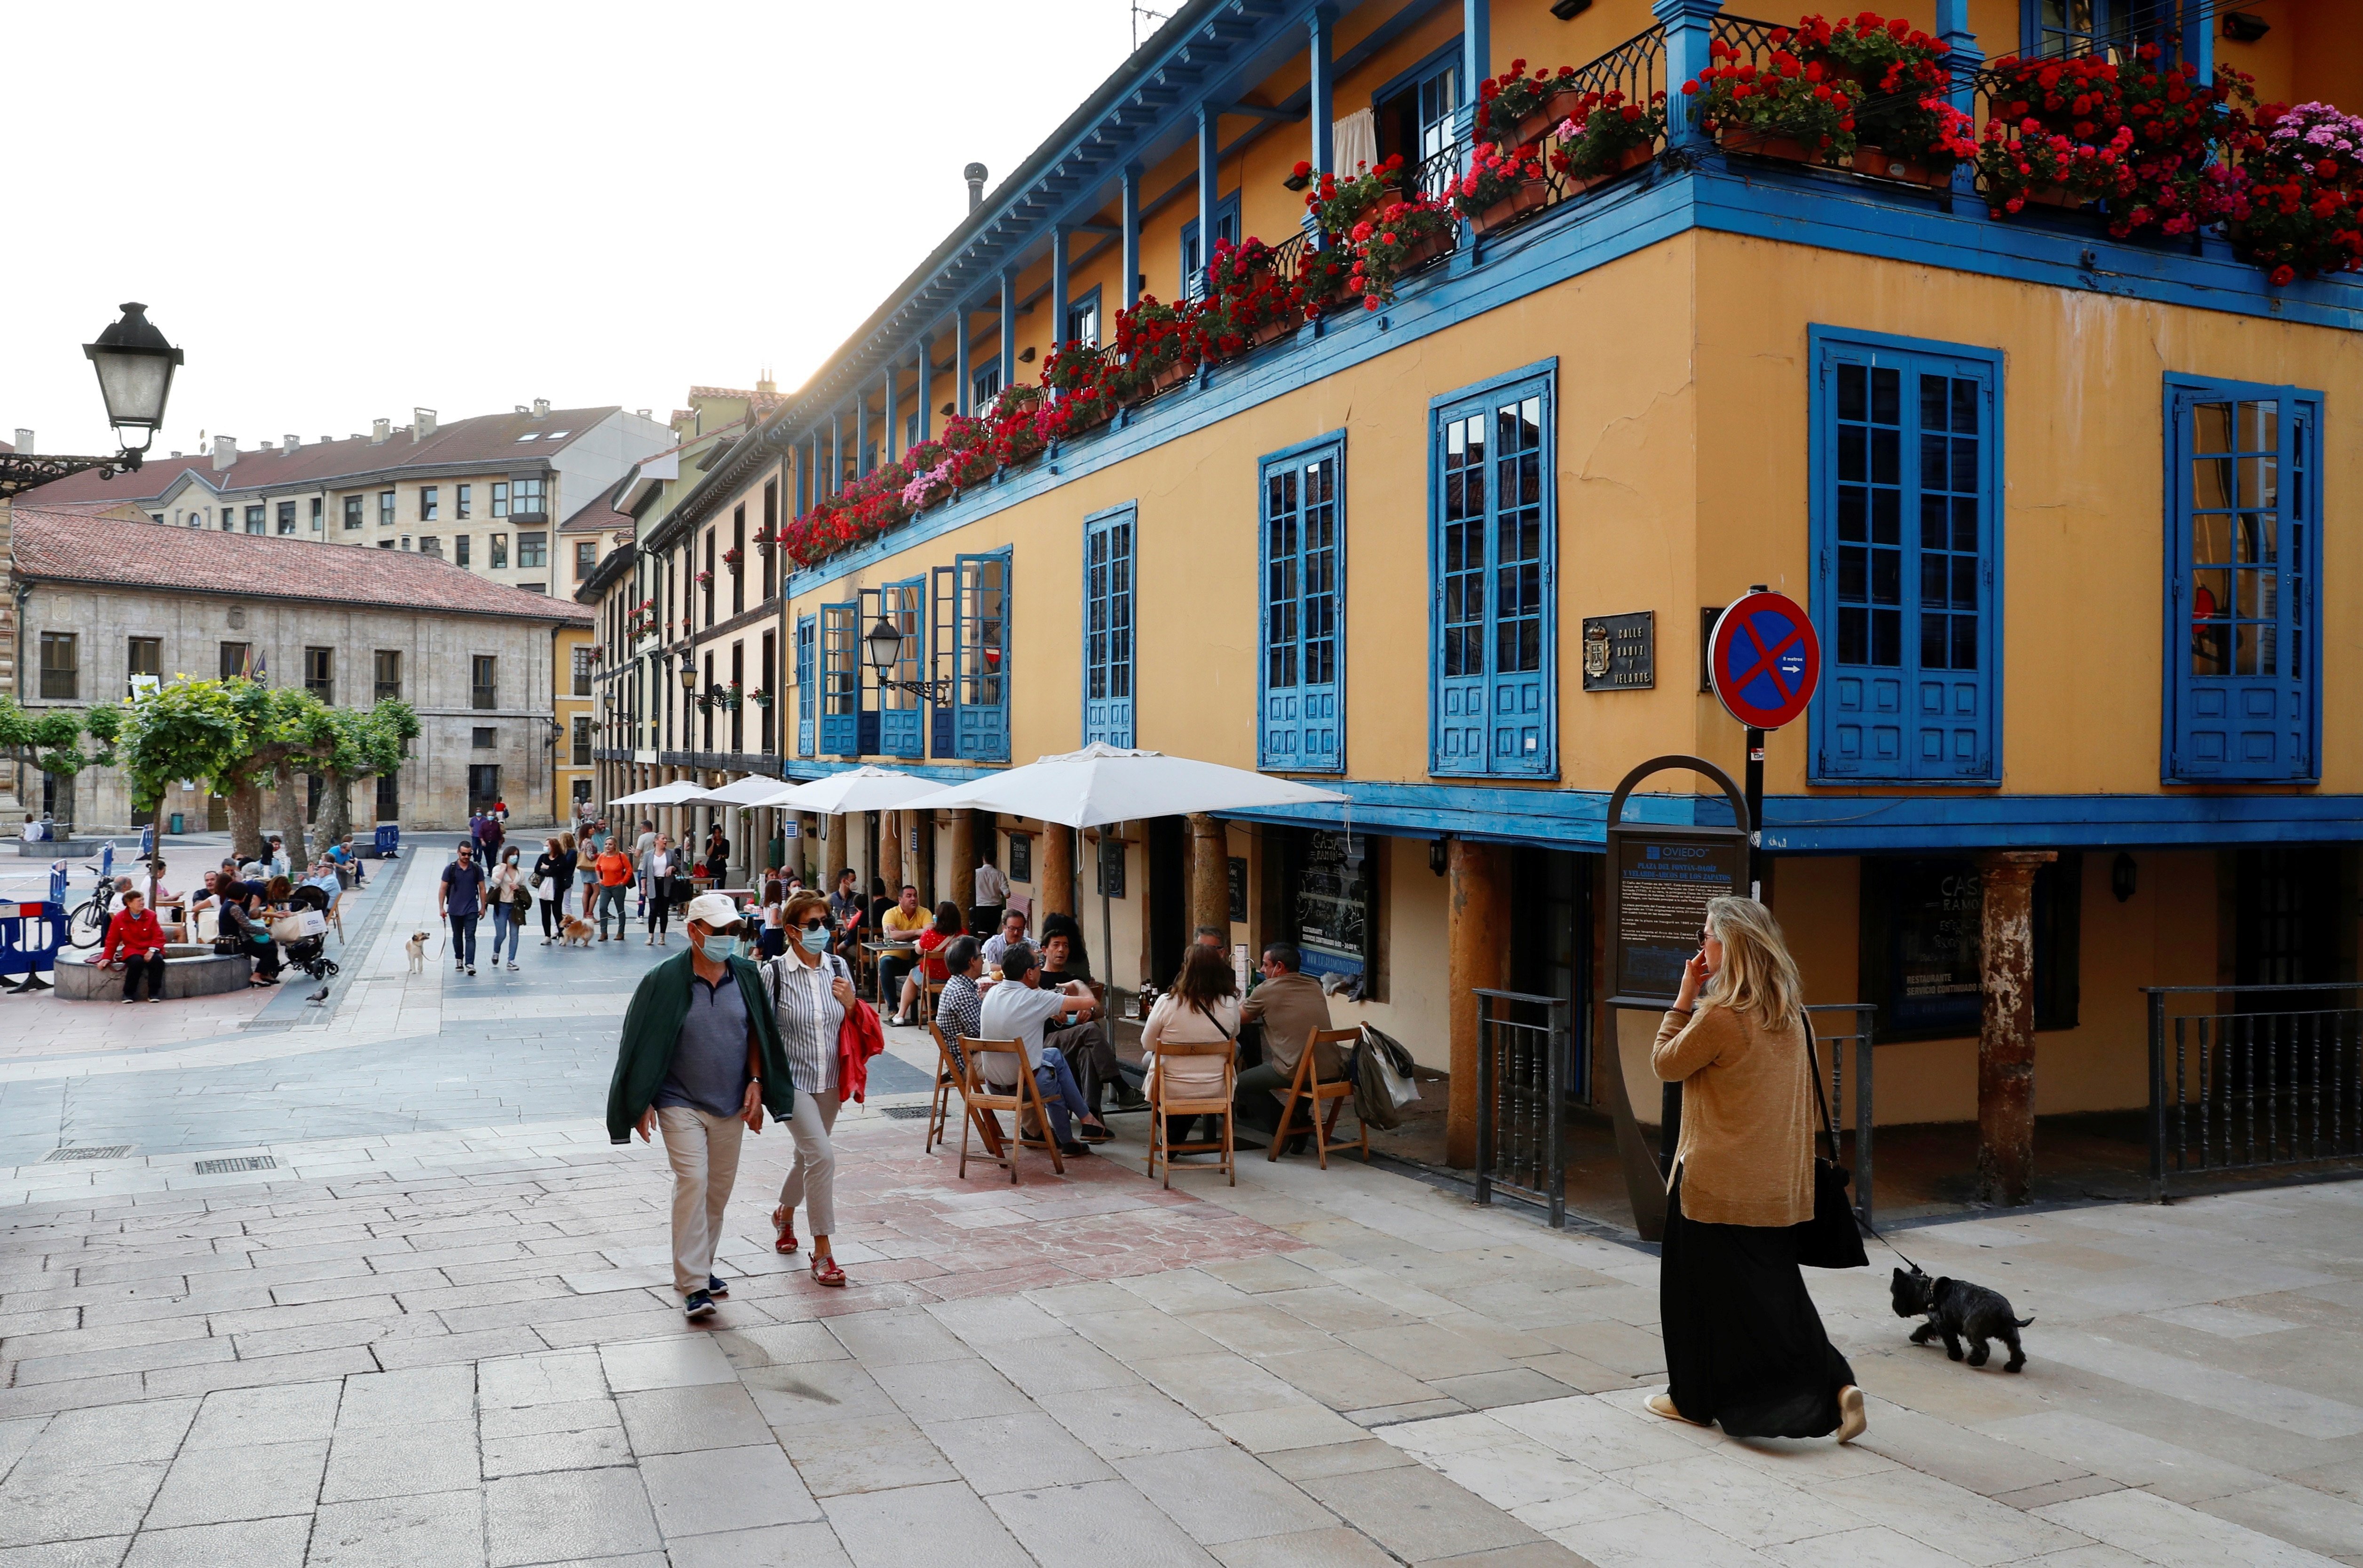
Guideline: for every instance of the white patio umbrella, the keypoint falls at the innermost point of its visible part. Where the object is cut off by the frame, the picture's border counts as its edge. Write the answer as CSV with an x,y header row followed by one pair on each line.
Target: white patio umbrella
x,y
681,792
863,789
755,790
1102,784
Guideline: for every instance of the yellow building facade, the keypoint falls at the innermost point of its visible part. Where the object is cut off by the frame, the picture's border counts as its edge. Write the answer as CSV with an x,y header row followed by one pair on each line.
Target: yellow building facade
x,y
1980,452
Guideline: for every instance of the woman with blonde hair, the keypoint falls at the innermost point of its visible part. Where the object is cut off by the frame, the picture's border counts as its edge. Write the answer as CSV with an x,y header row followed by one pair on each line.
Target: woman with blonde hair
x,y
1744,1346
811,991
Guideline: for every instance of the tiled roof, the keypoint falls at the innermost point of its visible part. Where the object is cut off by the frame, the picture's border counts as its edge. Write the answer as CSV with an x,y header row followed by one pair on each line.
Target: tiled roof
x,y
74,546
598,515
489,440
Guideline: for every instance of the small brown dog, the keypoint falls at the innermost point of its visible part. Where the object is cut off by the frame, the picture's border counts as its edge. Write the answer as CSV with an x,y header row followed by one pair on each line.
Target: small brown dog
x,y
575,933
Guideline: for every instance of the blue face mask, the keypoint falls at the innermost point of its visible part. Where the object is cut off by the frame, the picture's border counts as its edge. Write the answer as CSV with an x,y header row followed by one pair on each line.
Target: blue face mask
x,y
814,938
718,948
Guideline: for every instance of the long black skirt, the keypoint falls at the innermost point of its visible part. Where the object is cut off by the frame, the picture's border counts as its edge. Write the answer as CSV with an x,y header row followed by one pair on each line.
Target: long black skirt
x,y
1744,1346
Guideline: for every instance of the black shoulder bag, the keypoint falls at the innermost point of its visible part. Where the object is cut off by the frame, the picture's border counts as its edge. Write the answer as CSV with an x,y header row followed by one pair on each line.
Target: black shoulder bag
x,y
1832,1238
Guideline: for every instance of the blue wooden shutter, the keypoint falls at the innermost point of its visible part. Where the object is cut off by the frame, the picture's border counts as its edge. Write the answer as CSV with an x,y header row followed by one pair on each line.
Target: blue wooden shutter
x,y
1300,679
981,717
1494,551
943,658
1906,488
807,675
902,724
2243,554
840,653
1108,626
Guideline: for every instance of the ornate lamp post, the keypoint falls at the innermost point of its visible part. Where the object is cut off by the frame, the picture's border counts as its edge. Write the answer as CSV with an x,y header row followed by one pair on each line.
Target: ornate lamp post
x,y
884,641
135,366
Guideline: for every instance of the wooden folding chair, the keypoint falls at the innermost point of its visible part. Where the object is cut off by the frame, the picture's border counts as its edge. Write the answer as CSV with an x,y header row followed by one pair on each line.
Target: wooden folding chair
x,y
949,1082
1311,1087
1192,1101
1019,1099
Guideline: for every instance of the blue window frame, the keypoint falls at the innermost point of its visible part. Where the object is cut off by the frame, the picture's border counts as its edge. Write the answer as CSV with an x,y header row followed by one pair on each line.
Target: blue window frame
x,y
841,718
1417,110
2057,27
807,639
971,650
1108,538
1493,557
1301,678
901,727
1083,318
1907,487
1194,258
984,386
2244,555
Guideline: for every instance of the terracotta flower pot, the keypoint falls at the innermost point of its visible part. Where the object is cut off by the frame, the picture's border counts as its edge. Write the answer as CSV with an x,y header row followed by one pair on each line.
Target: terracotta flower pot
x,y
1272,331
1883,164
2055,196
1631,158
1756,144
1531,196
1173,375
1425,251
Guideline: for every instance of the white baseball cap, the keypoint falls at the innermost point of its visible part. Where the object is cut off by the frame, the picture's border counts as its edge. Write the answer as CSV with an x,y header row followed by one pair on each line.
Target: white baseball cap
x,y
715,912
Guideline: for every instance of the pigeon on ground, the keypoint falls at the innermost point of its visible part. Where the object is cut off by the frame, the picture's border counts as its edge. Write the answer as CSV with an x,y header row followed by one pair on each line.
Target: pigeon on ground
x,y
320,995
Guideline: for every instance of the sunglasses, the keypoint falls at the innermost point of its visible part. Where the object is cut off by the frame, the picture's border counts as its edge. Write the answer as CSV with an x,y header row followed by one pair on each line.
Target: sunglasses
x,y
817,922
1705,936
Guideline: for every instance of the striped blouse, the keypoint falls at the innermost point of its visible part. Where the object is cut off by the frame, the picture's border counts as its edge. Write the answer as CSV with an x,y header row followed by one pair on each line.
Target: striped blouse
x,y
804,1003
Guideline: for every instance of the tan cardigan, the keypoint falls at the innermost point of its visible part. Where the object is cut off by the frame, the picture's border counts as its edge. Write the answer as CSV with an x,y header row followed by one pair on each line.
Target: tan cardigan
x,y
1745,1154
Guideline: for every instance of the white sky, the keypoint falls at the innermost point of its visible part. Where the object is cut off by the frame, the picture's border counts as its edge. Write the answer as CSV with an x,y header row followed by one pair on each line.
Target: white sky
x,y
341,213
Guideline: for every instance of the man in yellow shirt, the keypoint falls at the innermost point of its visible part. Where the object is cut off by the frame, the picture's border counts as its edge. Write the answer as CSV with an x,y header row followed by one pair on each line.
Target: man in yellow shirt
x,y
902,923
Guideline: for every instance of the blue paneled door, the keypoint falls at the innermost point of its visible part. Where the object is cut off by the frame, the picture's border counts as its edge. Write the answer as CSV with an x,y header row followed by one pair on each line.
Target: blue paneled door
x,y
1494,560
840,674
807,639
1302,727
902,725
2243,551
1108,540
971,650
1906,483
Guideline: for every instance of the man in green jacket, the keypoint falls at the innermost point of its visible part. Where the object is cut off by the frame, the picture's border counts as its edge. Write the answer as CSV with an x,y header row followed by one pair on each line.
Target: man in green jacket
x,y
701,1059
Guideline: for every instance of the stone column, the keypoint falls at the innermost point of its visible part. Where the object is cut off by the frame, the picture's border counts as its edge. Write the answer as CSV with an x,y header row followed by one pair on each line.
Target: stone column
x,y
834,858
890,852
2006,1026
963,855
1478,953
1054,878
1210,879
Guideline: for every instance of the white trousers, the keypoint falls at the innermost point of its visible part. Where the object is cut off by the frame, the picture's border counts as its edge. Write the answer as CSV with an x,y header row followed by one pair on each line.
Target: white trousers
x,y
705,1153
812,1176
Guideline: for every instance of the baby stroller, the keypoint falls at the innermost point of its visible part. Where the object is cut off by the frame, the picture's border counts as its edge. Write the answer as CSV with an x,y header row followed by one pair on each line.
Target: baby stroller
x,y
303,931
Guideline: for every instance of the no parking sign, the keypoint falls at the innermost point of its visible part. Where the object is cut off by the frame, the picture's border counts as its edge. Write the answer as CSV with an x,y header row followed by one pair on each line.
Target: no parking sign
x,y
1765,660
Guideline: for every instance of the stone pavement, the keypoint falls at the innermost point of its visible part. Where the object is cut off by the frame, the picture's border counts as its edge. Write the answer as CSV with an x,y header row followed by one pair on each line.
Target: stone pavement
x,y
417,1339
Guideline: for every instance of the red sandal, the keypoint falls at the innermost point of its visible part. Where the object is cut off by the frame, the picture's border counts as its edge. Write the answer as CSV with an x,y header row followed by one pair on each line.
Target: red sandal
x,y
783,1222
825,1271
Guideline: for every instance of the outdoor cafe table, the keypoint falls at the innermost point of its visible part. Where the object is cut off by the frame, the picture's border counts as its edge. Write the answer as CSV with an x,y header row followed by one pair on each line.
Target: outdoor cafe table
x,y
878,950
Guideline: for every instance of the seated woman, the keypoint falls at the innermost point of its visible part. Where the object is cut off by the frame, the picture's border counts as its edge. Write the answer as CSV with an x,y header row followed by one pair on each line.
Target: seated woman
x,y
242,924
948,924
1201,1009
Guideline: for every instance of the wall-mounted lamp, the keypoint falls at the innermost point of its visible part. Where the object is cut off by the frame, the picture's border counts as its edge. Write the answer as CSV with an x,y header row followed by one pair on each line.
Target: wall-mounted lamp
x,y
2122,872
2245,26
1569,10
946,410
1026,355
1438,855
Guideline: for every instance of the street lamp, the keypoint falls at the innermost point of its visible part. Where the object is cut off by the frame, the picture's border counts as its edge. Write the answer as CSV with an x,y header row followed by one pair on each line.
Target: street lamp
x,y
688,670
135,365
884,641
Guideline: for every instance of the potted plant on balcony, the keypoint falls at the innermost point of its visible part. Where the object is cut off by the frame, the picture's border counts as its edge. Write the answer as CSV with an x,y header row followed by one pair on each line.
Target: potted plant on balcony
x,y
1336,205
2301,212
1605,137
763,697
1159,343
1786,108
706,579
1321,278
1503,185
1083,375
732,557
1247,303
1515,108
1396,241
2185,131
732,696
2057,135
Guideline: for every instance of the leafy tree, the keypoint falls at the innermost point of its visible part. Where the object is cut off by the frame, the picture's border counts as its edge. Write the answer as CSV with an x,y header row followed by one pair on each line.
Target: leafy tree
x,y
235,735
366,744
50,738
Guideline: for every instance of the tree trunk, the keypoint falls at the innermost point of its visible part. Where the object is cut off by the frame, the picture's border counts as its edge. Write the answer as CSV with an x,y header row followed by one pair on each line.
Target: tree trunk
x,y
336,808
246,819
291,806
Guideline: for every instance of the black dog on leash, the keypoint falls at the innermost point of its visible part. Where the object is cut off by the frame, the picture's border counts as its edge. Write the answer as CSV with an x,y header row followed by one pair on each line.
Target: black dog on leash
x,y
1958,1311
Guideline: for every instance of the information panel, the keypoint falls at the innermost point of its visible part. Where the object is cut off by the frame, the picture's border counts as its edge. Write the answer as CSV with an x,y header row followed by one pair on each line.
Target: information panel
x,y
1664,878
1333,904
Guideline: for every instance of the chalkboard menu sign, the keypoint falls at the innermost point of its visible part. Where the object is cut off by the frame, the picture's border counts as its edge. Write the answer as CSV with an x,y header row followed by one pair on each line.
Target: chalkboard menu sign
x,y
1021,857
1935,937
1239,880
1663,879
1333,899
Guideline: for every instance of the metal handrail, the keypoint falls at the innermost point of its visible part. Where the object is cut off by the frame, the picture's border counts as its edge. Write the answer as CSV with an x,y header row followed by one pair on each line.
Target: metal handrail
x,y
1536,1153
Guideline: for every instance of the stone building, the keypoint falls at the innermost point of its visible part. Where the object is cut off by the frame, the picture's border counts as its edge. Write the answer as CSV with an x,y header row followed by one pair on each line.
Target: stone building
x,y
102,601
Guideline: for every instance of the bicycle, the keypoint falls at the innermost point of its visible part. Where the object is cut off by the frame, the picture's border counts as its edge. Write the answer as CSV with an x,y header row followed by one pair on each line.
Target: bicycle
x,y
89,920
